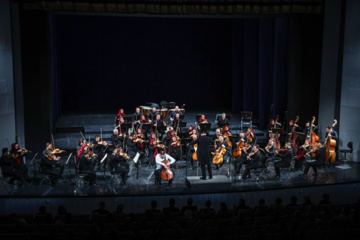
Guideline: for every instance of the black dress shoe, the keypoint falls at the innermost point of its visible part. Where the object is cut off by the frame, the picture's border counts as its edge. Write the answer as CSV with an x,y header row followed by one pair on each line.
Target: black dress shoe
x,y
203,178
210,177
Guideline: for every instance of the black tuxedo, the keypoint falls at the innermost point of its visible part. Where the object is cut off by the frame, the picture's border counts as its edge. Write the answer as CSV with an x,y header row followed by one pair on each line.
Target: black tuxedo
x,y
203,153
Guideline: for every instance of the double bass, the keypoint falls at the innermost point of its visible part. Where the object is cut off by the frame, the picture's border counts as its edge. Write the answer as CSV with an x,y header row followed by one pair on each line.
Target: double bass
x,y
275,136
330,144
294,139
314,139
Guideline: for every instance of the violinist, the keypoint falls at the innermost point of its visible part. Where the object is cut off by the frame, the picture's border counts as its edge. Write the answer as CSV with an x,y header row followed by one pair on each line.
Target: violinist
x,y
319,160
134,146
239,161
80,143
226,133
99,148
173,113
190,130
203,153
49,154
121,121
86,166
250,134
161,159
255,161
118,165
221,143
152,114
270,151
175,147
153,150
285,159
305,150
19,158
9,168
222,121
117,138
175,123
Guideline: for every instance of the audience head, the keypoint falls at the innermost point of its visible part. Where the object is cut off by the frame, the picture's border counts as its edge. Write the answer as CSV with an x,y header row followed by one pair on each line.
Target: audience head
x,y
153,204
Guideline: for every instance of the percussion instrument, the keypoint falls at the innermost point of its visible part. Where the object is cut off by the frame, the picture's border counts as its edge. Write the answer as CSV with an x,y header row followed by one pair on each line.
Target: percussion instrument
x,y
164,112
142,108
146,110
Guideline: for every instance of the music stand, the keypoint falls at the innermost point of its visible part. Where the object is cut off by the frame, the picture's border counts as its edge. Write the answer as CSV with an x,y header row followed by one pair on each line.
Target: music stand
x,y
277,130
198,116
204,126
233,138
161,129
136,160
221,125
182,135
146,126
127,118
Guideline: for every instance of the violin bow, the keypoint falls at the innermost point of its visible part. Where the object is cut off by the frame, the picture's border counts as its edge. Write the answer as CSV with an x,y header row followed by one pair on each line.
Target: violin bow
x,y
33,158
68,159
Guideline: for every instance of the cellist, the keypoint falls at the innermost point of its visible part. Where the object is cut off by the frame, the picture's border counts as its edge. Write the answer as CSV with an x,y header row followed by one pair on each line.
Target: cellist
x,y
163,160
221,143
191,151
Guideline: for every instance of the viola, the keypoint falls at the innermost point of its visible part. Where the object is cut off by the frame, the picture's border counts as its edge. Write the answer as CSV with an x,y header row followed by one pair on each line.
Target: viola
x,y
166,173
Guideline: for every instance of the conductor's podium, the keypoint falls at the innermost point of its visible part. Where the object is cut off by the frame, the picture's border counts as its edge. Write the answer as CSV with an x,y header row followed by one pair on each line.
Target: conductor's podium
x,y
194,183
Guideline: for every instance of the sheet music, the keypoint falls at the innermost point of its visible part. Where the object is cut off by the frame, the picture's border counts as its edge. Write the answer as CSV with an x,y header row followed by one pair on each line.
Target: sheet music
x,y
136,158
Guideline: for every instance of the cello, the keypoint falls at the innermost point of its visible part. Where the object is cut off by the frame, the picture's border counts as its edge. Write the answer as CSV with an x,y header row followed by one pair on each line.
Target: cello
x,y
194,156
219,156
330,144
237,151
166,173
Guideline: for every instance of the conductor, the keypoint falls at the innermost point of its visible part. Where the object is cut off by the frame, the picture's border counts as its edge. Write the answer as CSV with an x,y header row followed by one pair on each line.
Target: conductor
x,y
203,153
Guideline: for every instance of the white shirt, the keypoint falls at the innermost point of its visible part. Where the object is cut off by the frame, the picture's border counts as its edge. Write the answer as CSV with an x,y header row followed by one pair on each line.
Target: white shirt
x,y
159,160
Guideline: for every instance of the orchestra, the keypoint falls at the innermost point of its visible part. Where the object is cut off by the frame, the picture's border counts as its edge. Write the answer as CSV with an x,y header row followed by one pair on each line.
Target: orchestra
x,y
162,144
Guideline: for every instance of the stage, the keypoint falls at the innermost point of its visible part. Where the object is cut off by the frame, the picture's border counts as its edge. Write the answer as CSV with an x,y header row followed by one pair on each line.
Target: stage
x,y
141,180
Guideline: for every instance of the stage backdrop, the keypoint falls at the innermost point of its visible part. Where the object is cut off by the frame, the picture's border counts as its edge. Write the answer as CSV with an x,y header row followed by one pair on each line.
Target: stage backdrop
x,y
102,63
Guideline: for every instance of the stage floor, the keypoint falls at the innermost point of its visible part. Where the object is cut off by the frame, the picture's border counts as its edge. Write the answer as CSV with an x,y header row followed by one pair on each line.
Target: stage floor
x,y
142,183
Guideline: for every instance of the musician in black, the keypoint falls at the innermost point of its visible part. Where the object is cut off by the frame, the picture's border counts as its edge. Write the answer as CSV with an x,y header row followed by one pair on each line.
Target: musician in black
x,y
158,122
255,161
163,160
118,165
319,160
152,114
204,153
117,139
48,153
239,161
223,121
9,168
289,130
191,151
86,166
285,159
136,117
99,149
333,135
270,151
176,123
221,143
173,113
217,134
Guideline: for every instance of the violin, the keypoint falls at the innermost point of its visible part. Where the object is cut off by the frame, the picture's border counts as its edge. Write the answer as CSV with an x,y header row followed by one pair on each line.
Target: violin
x,y
252,154
22,150
57,150
249,135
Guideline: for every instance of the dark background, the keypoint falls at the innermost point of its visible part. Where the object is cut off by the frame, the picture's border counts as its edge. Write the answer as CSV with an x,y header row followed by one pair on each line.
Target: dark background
x,y
81,64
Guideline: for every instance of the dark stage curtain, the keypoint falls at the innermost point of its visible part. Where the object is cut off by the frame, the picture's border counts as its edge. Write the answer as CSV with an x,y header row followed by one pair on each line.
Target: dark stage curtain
x,y
260,67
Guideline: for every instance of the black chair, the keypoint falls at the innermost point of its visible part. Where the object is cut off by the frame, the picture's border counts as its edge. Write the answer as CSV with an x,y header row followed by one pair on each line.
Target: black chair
x,y
44,178
345,151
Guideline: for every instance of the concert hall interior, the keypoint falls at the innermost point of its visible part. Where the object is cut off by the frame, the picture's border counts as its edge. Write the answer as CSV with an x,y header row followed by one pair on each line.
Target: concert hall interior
x,y
246,75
